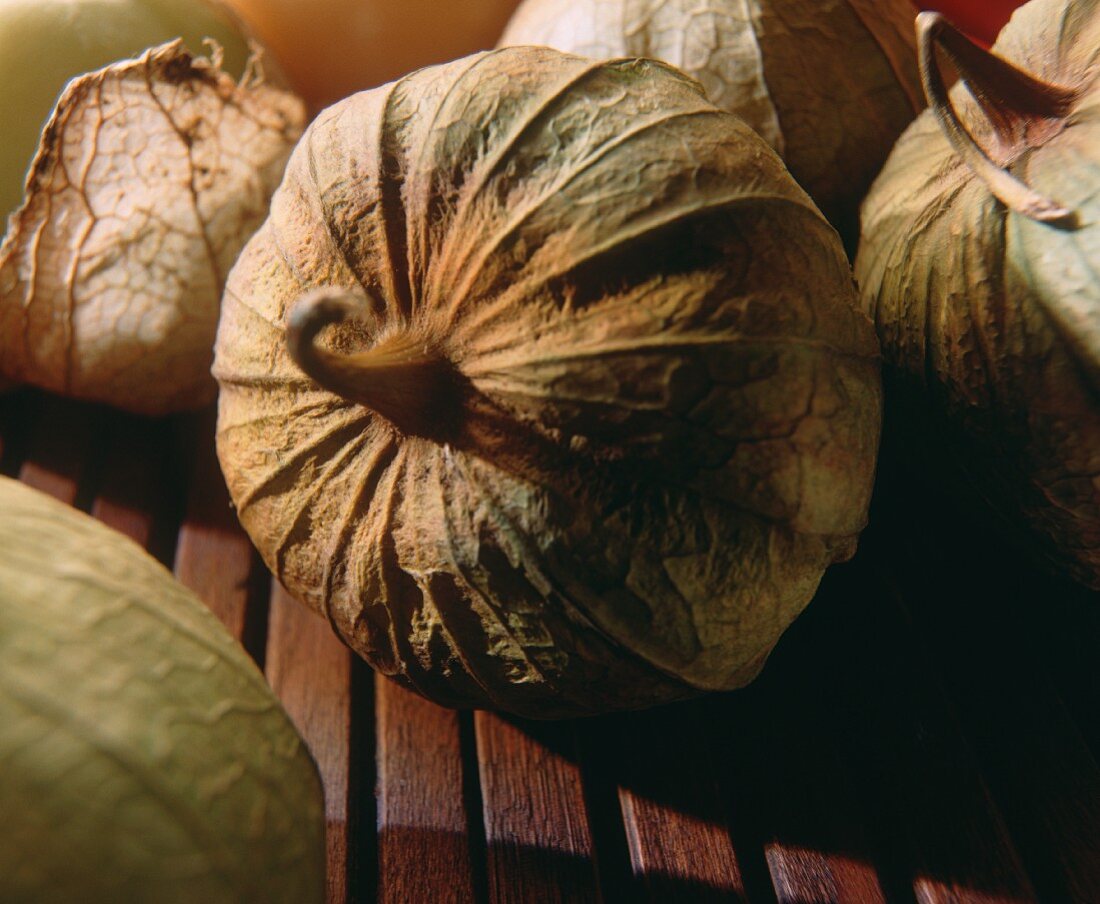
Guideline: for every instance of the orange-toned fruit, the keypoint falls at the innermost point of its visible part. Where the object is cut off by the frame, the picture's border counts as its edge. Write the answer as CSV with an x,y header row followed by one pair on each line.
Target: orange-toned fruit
x,y
333,48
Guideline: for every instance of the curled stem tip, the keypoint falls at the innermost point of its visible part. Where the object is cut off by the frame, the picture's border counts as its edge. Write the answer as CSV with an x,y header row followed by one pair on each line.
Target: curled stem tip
x,y
401,377
1008,96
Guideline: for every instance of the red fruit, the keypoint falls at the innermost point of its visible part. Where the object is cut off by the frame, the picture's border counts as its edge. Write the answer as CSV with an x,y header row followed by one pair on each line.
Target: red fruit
x,y
981,19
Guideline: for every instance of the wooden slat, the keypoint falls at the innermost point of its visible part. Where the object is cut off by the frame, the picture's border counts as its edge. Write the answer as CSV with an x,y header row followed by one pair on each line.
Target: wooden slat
x,y
810,874
131,490
806,874
59,449
1034,758
787,792
917,737
679,856
1037,764
538,838
669,803
310,670
424,851
214,556
937,833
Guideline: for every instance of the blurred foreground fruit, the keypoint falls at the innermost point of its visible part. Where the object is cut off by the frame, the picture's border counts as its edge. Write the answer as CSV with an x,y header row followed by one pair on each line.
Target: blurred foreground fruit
x,y
144,758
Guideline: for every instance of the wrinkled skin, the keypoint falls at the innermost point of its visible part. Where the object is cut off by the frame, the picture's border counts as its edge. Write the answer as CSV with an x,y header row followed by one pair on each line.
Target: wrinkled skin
x,y
659,407
150,176
145,759
830,84
990,321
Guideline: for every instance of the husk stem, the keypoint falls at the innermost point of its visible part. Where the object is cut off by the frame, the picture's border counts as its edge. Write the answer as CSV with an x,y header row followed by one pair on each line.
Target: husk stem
x,y
414,386
401,377
1013,100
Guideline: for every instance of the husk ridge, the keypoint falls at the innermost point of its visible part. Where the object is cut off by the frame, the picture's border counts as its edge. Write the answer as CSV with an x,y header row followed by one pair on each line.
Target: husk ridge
x,y
1007,387
474,571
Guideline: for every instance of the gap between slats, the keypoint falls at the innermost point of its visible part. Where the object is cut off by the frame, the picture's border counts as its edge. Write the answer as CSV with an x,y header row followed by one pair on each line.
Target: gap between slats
x,y
975,603
864,763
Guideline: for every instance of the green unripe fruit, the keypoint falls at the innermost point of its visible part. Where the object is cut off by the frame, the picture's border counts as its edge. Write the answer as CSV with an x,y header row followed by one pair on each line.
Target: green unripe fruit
x,y
45,43
143,758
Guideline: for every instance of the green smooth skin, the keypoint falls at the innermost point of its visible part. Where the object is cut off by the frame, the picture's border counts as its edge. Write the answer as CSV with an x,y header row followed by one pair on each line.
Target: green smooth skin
x,y
143,758
45,43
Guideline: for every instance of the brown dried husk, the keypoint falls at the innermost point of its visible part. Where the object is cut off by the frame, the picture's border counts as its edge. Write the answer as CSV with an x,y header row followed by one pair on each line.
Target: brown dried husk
x,y
990,319
150,176
631,408
830,84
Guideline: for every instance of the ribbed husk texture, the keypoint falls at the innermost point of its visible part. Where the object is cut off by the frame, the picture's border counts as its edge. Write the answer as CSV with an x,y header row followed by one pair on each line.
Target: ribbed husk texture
x,y
630,409
830,84
990,319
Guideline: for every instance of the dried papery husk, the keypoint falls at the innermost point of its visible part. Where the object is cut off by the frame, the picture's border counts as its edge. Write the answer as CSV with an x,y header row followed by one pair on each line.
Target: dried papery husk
x,y
45,43
830,84
145,759
150,176
591,407
979,264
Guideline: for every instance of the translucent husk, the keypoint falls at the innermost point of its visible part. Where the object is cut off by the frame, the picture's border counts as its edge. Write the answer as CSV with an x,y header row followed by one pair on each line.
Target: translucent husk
x,y
545,383
978,266
150,176
46,43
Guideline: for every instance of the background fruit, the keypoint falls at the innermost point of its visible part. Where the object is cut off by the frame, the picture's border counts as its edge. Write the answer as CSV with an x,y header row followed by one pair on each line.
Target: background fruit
x,y
44,43
333,48
829,84
981,19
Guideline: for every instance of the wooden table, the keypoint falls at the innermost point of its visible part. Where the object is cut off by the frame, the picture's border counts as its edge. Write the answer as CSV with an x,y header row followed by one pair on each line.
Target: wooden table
x,y
927,731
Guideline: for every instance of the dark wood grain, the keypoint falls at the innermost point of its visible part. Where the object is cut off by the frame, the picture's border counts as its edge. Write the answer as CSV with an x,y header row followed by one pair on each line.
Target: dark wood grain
x,y
59,451
935,832
942,831
424,851
539,843
674,851
925,733
668,803
136,482
807,874
972,600
213,555
310,670
1044,774
788,794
